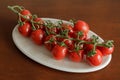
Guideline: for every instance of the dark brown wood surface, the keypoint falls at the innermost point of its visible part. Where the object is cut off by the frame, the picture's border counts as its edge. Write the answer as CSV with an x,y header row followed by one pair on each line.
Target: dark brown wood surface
x,y
103,16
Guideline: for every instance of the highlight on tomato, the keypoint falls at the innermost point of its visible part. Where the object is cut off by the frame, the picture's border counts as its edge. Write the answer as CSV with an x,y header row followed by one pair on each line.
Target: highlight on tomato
x,y
62,39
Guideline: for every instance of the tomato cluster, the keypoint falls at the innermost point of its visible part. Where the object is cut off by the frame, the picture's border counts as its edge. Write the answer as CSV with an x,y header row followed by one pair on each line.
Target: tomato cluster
x,y
62,39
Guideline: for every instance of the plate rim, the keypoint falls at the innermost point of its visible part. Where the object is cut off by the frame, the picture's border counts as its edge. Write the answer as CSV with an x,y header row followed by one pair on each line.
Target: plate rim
x,y
53,67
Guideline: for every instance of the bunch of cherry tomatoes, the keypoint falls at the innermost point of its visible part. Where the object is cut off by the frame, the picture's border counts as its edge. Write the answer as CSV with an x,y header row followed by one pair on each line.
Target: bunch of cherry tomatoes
x,y
63,39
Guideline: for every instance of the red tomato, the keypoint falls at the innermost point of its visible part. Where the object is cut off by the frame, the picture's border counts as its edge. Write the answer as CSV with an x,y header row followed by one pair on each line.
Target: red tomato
x,y
59,52
95,59
88,47
53,30
50,42
75,35
68,27
69,43
40,21
76,56
25,13
37,36
105,50
81,26
25,29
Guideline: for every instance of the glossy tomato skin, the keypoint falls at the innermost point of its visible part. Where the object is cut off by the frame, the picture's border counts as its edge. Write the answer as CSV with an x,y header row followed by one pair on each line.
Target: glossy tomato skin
x,y
88,47
76,56
59,52
96,59
69,28
69,43
25,29
39,20
26,13
82,37
37,36
50,44
54,30
40,25
105,50
81,26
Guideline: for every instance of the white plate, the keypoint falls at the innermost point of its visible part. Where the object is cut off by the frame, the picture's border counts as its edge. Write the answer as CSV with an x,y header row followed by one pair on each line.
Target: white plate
x,y
44,57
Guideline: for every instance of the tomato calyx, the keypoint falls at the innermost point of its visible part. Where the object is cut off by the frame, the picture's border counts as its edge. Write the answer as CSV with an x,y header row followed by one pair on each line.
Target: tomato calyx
x,y
91,53
79,34
50,27
63,38
20,23
51,40
64,33
36,22
18,9
77,47
61,43
94,41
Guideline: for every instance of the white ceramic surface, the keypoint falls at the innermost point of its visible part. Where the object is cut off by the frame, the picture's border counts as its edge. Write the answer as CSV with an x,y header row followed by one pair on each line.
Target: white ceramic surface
x,y
44,57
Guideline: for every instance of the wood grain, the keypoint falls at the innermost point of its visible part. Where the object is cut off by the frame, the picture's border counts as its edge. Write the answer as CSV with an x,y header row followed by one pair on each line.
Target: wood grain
x,y
103,16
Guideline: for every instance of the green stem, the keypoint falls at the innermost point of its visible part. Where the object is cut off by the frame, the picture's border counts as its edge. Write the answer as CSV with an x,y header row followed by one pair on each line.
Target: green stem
x,y
33,26
51,40
79,34
12,8
62,44
94,39
47,31
108,44
19,7
94,47
19,20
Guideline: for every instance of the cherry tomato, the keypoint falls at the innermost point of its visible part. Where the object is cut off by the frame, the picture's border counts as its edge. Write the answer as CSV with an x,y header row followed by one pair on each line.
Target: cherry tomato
x,y
37,36
105,50
50,42
59,52
69,43
95,59
25,29
25,13
68,27
60,38
88,47
40,23
53,30
76,56
81,37
81,26
39,20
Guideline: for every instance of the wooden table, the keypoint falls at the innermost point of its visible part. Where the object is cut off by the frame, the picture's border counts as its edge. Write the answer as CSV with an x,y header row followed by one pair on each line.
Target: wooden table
x,y
103,16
